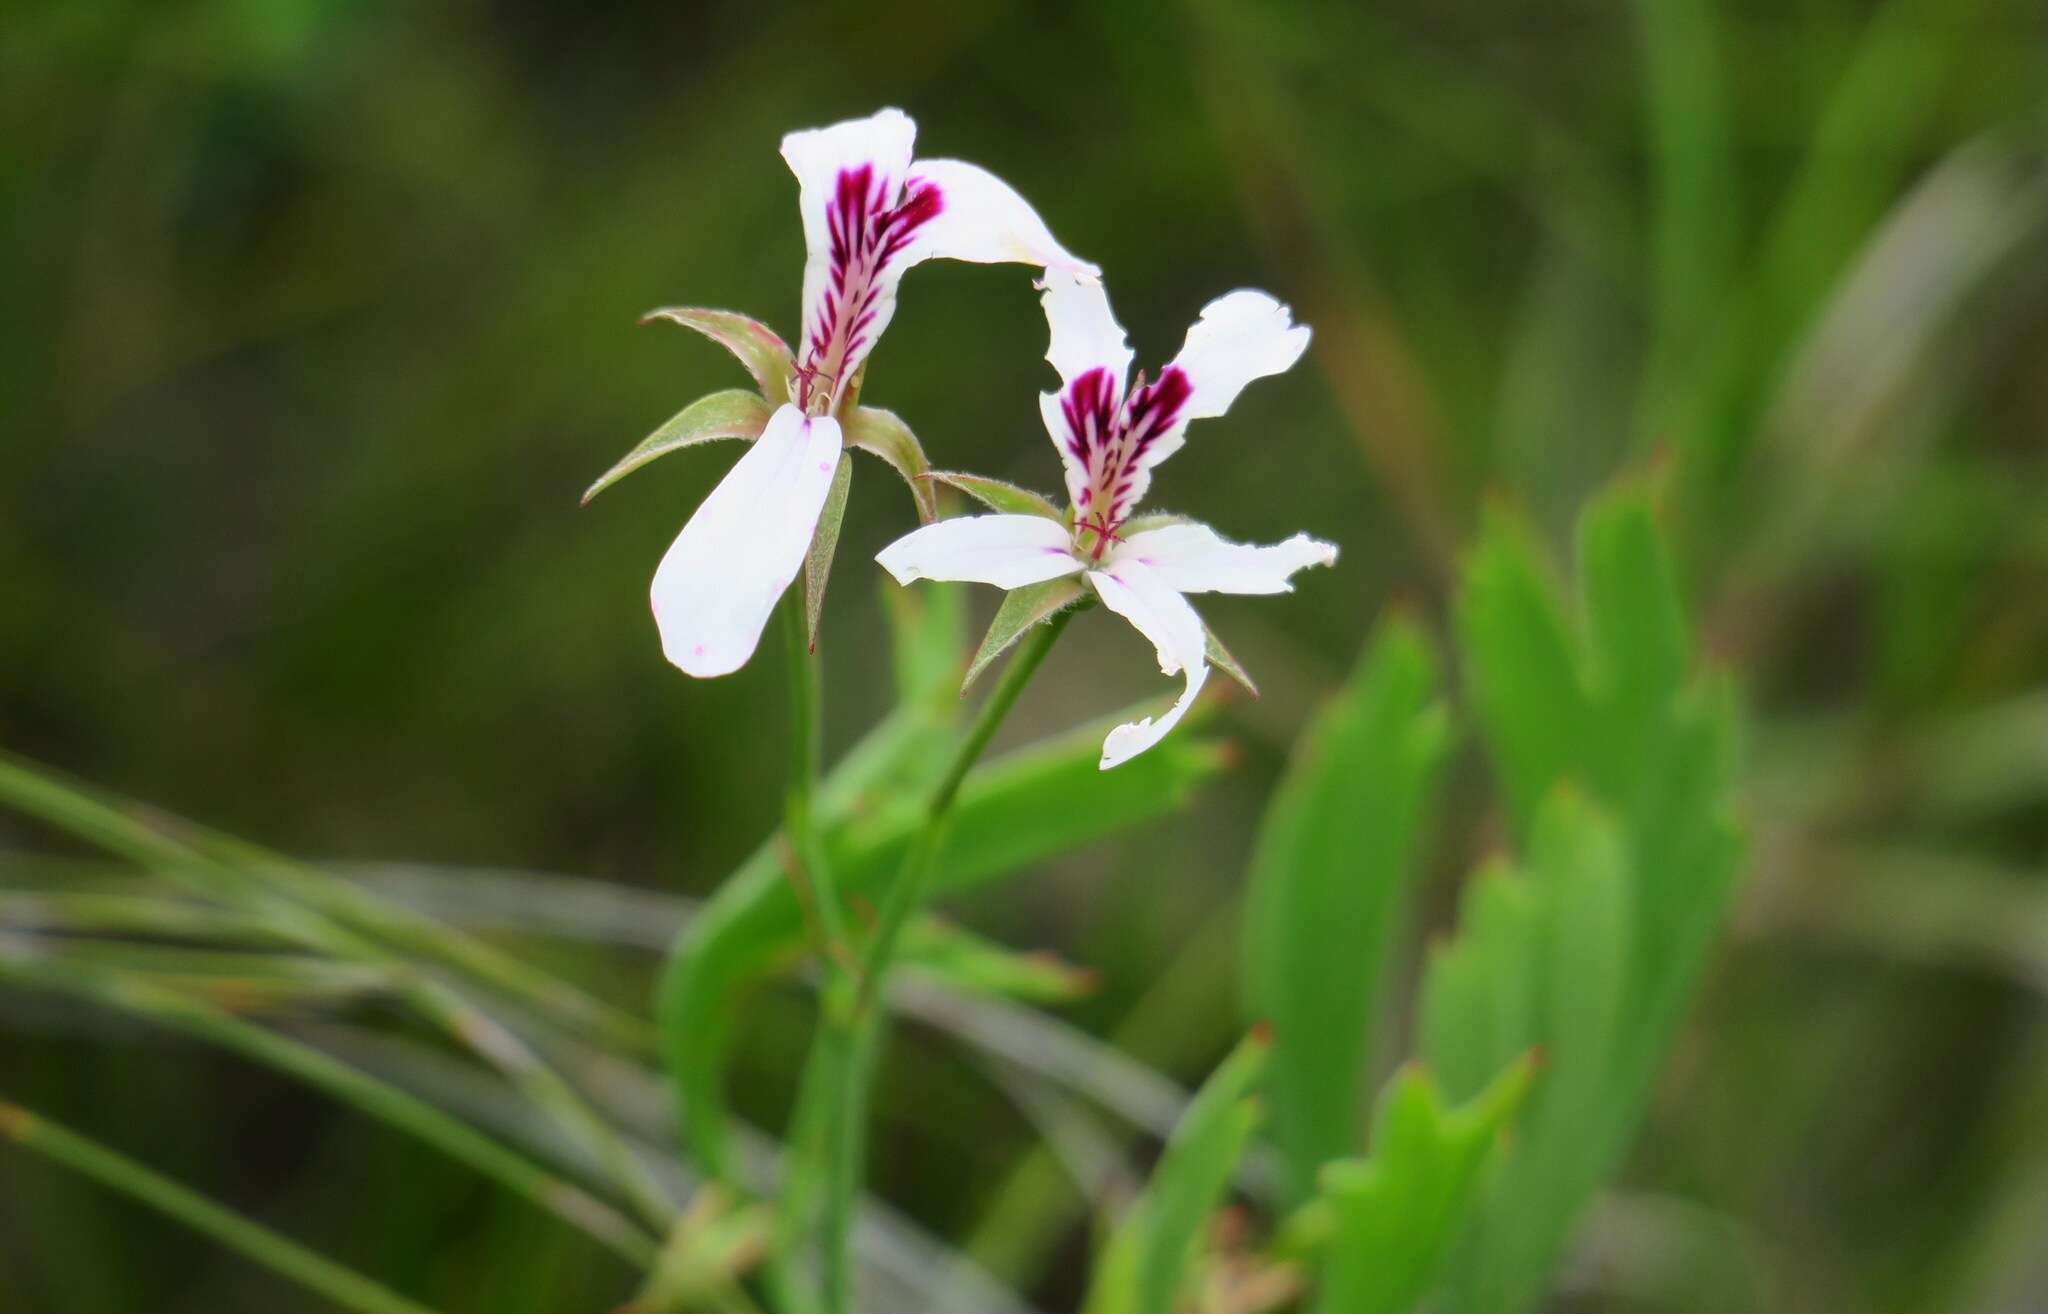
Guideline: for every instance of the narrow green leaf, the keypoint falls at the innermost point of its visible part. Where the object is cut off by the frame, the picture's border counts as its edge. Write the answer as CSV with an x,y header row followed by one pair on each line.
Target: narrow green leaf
x,y
396,1108
1522,664
1335,856
734,413
997,495
974,963
1022,608
825,542
758,347
248,1238
1396,1216
1225,661
1617,760
884,434
1148,1260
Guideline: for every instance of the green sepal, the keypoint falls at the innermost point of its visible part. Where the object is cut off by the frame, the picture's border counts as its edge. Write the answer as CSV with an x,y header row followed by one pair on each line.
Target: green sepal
x,y
1022,608
997,495
756,346
884,434
734,413
1221,658
825,542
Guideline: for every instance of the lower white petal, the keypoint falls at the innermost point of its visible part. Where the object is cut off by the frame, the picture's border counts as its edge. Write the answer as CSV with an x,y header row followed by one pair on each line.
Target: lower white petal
x,y
1241,336
1194,558
982,218
1128,740
720,579
1007,551
1135,592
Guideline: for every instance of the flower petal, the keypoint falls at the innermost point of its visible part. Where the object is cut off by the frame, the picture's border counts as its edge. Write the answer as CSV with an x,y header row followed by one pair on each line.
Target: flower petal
x,y
720,579
1134,591
1085,334
1241,336
1007,551
1132,738
981,218
858,220
1193,558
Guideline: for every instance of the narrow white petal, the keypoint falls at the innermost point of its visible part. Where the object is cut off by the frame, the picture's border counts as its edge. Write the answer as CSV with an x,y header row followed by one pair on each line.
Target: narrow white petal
x,y
1134,737
850,176
982,219
1007,551
1241,336
1085,334
1194,558
1135,592
720,579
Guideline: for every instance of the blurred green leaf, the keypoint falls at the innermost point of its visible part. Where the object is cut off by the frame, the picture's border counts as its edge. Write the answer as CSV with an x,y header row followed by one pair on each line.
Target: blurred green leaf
x,y
754,344
734,413
975,964
1334,857
1394,1217
1147,1262
1617,760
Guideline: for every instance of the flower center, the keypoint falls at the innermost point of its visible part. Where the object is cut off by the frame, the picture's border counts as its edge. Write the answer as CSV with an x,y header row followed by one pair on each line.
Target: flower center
x,y
1113,442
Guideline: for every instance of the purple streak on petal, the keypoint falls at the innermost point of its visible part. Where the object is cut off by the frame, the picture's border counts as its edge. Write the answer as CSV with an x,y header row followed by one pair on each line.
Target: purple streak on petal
x,y
870,222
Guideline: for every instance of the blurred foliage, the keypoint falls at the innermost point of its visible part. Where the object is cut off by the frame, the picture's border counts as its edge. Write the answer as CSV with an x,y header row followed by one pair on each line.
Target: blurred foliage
x,y
323,315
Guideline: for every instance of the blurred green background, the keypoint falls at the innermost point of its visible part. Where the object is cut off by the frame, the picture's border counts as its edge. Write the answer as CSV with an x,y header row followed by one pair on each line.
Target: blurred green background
x,y
320,315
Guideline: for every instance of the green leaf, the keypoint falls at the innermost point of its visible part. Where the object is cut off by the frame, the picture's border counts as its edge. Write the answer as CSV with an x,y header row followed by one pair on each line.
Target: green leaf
x,y
758,347
1148,1260
1013,812
825,542
1335,857
734,413
1617,759
884,434
997,495
1396,1216
287,1258
980,966
1022,608
1223,660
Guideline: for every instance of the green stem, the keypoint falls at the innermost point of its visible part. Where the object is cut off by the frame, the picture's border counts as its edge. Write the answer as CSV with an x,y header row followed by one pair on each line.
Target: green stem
x,y
853,1024
806,763
345,1287
367,1094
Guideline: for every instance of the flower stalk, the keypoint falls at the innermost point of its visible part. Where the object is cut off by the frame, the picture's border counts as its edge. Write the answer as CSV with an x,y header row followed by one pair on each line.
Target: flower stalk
x,y
852,1024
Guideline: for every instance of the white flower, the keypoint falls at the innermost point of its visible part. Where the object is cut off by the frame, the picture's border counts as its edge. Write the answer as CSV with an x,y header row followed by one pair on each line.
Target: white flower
x,y
1110,434
869,213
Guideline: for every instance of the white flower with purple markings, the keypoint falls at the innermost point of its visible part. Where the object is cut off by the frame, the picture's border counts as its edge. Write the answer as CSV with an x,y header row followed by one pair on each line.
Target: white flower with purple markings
x,y
1112,431
870,211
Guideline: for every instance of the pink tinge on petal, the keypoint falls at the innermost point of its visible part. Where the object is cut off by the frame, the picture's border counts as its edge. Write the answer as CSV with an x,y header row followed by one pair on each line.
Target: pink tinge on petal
x,y
870,222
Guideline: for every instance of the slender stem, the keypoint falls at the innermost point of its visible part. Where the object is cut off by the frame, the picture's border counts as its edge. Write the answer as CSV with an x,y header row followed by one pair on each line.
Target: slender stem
x,y
368,1094
345,1287
853,1025
806,760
